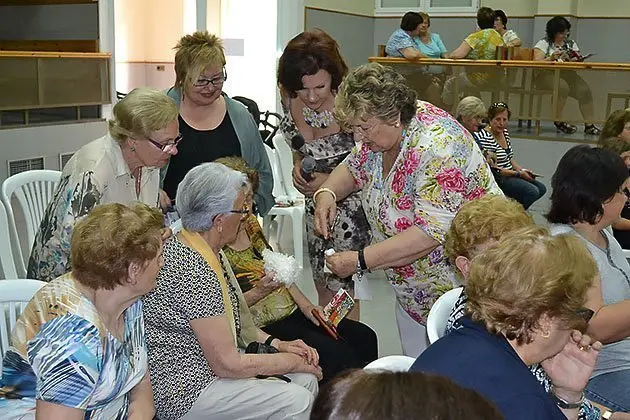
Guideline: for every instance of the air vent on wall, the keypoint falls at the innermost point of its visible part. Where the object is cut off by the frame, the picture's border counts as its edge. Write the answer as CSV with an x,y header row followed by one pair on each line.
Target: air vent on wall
x,y
63,159
23,165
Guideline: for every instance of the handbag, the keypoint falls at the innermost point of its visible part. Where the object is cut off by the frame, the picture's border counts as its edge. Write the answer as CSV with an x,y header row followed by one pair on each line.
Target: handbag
x,y
261,348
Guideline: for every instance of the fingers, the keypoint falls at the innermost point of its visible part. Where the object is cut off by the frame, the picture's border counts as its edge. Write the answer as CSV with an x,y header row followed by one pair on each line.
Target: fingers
x,y
166,233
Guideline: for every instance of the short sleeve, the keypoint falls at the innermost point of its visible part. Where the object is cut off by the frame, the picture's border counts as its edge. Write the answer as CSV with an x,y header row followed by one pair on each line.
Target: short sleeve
x,y
574,46
510,36
399,41
543,46
356,164
65,357
202,297
473,39
439,44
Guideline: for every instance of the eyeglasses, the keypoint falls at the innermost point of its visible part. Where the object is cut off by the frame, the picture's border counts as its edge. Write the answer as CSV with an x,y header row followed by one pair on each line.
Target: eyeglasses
x,y
167,147
215,81
363,130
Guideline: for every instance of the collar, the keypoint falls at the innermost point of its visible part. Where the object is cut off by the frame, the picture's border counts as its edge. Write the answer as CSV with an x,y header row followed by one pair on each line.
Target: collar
x,y
496,340
120,165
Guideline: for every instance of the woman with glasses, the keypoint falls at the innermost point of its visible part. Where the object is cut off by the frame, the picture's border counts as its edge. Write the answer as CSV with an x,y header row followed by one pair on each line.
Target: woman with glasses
x,y
414,166
309,73
528,311
285,312
556,46
516,182
212,124
198,322
120,167
587,197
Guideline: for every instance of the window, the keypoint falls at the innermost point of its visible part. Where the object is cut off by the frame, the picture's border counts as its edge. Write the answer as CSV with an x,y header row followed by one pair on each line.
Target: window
x,y
432,7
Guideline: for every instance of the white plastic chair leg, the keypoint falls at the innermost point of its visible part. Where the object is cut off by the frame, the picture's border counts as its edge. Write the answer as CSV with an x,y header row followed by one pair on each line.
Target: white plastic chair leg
x,y
298,228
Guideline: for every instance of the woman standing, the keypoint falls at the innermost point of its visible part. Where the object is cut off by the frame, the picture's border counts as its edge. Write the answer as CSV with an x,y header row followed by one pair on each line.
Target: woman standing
x,y
414,167
120,167
516,182
212,124
309,73
556,46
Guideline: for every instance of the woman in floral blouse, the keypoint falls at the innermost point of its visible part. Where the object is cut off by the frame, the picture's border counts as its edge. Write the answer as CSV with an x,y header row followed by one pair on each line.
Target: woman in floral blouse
x,y
415,166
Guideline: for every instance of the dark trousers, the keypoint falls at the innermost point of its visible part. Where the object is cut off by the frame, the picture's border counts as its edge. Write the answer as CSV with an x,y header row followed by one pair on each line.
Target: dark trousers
x,y
523,191
357,347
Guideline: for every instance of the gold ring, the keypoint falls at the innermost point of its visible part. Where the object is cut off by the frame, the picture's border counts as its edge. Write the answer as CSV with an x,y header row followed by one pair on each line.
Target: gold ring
x,y
584,348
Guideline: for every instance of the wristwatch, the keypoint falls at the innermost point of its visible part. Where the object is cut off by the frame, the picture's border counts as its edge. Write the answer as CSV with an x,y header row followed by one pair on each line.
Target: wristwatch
x,y
566,405
607,415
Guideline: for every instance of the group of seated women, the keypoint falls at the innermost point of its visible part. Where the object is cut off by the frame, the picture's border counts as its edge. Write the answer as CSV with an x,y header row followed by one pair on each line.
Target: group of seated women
x,y
413,40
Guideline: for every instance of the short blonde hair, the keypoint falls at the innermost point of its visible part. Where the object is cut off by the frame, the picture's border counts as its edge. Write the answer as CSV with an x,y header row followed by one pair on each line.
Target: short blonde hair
x,y
526,275
470,107
109,239
373,90
481,220
141,113
193,54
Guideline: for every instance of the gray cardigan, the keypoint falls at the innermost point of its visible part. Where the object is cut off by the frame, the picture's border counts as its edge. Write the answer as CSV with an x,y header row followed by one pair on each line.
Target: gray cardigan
x,y
252,148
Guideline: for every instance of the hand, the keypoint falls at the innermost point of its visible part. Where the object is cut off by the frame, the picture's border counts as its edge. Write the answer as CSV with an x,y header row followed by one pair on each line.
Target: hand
x,y
298,180
302,366
298,347
308,312
526,175
164,200
343,264
308,188
268,283
325,213
571,369
166,233
556,54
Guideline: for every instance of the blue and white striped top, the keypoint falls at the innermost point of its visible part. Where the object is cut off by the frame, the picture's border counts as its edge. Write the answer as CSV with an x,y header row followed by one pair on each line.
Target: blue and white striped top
x,y
487,142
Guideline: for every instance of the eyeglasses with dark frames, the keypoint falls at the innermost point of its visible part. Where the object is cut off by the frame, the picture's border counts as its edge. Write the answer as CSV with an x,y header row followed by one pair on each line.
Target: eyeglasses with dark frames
x,y
166,147
215,81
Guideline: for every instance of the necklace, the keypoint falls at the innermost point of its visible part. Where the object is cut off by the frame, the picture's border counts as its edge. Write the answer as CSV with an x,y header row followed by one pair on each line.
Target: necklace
x,y
317,119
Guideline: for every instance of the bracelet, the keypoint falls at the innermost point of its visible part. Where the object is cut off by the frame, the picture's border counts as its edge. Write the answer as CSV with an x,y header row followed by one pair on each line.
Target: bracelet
x,y
518,174
562,403
269,340
321,190
362,264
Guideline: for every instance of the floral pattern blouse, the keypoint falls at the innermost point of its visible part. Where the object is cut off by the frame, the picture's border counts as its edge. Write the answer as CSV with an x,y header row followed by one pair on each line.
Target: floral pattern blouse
x,y
439,168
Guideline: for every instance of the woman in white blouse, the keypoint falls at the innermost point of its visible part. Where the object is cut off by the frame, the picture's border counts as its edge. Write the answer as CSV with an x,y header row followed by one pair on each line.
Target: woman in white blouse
x,y
510,37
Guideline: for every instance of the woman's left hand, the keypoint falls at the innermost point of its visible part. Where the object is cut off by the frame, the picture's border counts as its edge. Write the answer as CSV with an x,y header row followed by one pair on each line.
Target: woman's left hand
x,y
300,348
308,312
571,369
343,264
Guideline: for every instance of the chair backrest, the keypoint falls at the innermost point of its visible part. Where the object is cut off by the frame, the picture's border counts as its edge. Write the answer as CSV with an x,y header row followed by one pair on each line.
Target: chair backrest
x,y
439,313
381,50
391,364
7,263
285,159
278,183
33,190
14,296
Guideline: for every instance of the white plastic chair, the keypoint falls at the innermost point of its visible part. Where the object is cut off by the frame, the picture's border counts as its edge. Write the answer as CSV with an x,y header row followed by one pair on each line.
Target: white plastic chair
x,y
33,190
391,364
439,313
14,296
626,253
7,263
281,160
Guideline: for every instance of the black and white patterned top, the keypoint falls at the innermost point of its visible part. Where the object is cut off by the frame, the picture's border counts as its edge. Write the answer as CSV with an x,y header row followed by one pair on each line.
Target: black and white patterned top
x,y
486,141
187,288
587,410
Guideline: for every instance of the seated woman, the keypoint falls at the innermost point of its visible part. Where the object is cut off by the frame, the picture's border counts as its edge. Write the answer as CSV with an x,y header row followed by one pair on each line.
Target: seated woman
x,y
274,307
510,38
120,167
366,395
429,43
479,45
617,126
526,312
478,225
197,319
587,197
470,113
515,181
621,227
78,350
402,43
557,46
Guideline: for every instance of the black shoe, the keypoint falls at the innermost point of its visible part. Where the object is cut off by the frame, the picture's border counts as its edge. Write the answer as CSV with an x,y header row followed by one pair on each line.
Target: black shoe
x,y
565,128
591,129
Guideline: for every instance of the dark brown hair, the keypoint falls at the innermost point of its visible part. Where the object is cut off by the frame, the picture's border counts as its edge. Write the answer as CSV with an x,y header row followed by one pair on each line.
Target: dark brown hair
x,y
485,18
109,239
365,395
305,55
615,123
497,108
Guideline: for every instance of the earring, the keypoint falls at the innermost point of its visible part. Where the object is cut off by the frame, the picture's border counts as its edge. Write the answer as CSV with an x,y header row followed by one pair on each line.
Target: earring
x,y
545,334
132,148
397,124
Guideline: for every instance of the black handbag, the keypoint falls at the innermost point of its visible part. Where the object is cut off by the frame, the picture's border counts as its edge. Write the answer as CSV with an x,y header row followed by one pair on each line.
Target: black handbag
x,y
261,348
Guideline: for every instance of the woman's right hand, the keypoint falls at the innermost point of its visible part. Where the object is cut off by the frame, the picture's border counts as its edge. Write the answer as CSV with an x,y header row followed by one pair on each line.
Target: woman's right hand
x,y
325,212
301,365
298,180
523,174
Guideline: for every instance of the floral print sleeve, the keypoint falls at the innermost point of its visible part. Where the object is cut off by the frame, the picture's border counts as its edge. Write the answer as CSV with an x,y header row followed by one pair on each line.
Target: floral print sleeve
x,y
355,163
75,197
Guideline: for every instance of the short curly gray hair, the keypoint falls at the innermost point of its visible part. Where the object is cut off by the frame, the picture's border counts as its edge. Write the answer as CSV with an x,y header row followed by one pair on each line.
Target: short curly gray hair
x,y
206,191
374,90
470,107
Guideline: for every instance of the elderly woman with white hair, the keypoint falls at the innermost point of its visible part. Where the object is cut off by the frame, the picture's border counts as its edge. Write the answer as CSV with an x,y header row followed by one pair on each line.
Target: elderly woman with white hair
x,y
121,167
470,112
197,319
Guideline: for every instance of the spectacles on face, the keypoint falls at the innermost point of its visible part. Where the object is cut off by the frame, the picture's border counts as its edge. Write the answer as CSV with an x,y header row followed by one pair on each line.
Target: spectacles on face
x,y
363,129
215,81
167,147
